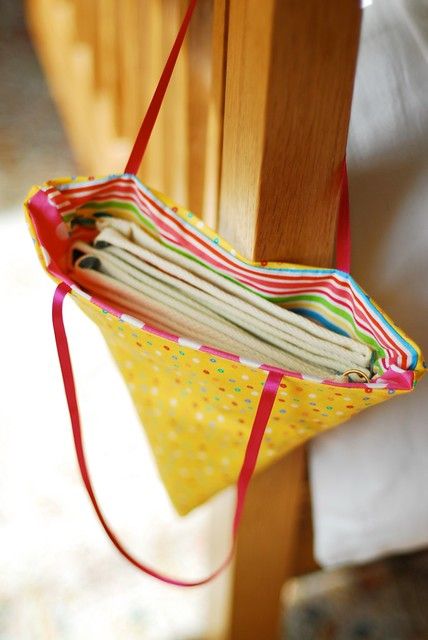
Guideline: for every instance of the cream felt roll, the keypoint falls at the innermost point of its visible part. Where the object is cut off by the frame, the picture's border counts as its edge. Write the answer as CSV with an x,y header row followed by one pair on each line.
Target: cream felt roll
x,y
149,303
132,238
217,314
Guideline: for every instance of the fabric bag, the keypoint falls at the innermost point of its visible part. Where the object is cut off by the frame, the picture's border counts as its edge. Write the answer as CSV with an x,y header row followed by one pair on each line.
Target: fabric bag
x,y
212,416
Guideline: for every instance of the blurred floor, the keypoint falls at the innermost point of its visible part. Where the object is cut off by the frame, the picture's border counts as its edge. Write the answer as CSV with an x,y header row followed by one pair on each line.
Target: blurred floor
x,y
60,578
385,600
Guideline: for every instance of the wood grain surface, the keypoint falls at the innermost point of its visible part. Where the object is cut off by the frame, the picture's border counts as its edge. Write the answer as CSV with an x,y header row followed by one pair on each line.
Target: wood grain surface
x,y
289,80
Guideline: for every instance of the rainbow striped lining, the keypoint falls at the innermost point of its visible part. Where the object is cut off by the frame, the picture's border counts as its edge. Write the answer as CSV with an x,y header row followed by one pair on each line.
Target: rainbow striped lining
x,y
329,296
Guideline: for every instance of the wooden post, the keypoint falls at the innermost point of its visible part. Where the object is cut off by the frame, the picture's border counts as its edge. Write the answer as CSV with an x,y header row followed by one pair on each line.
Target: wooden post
x,y
288,87
215,115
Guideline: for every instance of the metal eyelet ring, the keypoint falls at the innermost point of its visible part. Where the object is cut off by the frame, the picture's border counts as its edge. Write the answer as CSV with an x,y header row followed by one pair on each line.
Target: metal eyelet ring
x,y
362,375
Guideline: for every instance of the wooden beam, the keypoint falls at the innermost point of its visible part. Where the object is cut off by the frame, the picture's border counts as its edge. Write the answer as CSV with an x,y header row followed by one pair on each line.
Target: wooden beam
x,y
215,118
199,69
150,24
266,548
288,87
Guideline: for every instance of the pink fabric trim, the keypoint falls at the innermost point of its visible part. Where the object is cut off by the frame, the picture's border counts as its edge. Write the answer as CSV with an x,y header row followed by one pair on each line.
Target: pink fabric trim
x,y
261,419
396,378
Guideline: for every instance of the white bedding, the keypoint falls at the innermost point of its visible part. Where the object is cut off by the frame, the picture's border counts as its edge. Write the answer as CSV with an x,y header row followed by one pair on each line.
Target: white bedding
x,y
369,478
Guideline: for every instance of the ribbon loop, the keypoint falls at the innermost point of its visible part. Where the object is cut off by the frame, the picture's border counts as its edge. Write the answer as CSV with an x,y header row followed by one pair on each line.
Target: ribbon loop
x,y
261,419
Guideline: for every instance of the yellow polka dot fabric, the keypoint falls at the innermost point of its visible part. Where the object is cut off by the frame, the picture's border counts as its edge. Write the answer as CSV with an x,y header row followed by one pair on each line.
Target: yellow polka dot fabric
x,y
197,405
198,409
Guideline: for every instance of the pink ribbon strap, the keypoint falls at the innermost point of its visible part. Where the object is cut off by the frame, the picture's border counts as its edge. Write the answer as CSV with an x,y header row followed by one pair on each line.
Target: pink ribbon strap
x,y
343,237
261,419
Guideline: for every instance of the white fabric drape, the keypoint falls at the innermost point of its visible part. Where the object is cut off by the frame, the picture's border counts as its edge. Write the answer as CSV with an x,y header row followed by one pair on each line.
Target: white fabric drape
x,y
370,478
